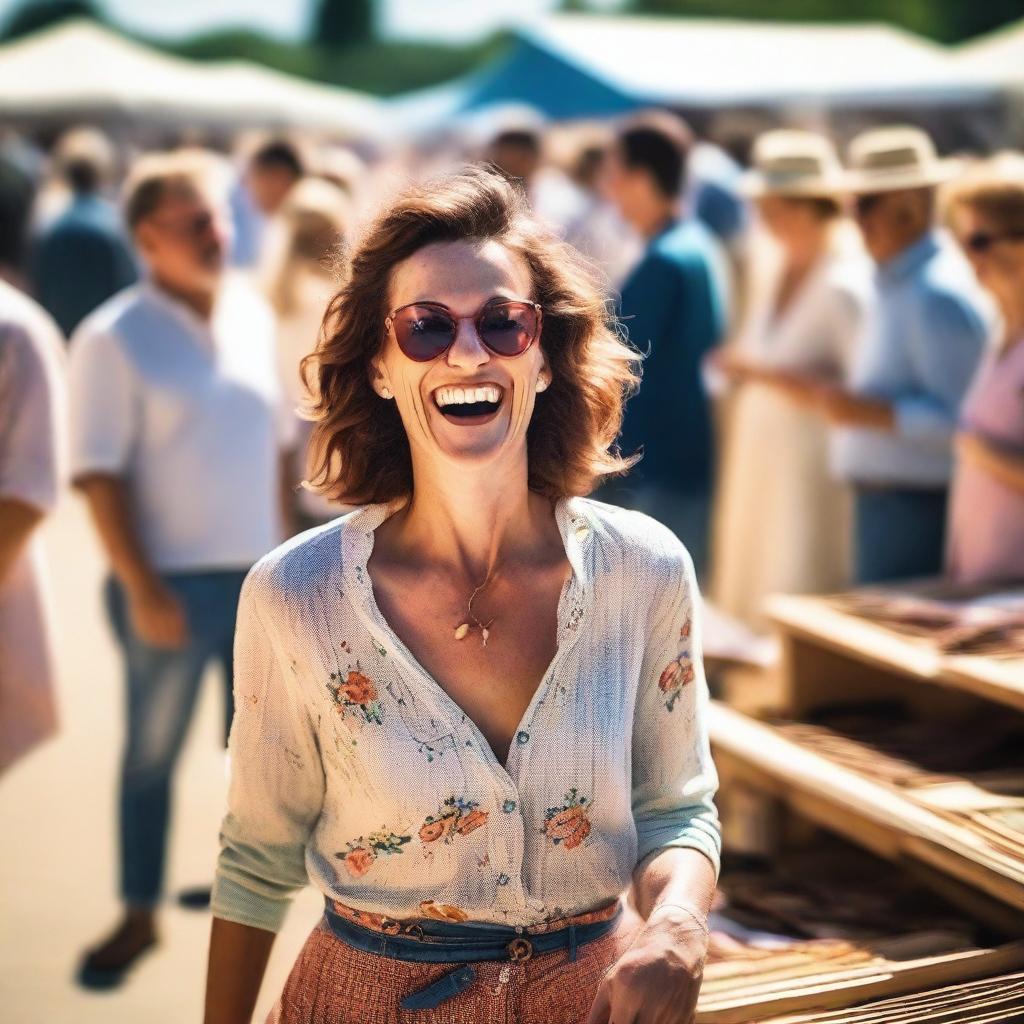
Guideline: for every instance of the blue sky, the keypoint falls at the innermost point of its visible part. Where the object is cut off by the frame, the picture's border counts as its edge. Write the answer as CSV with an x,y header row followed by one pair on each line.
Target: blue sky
x,y
441,19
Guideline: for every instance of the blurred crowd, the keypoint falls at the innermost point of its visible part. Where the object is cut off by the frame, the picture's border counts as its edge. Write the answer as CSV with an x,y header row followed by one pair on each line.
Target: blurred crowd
x,y
832,394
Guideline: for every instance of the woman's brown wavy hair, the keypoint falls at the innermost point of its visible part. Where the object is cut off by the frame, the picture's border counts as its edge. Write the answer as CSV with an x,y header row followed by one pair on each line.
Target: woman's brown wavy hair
x,y
359,451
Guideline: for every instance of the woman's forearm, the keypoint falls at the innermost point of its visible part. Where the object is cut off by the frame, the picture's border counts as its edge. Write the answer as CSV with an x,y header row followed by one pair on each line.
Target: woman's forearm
x,y
1006,466
677,875
237,961
17,521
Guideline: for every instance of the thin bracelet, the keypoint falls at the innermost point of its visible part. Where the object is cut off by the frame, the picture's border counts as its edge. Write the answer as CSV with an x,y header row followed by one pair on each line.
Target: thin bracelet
x,y
702,924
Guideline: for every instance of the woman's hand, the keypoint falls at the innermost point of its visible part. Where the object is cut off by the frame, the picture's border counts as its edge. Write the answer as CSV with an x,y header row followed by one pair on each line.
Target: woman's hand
x,y
727,362
1006,467
657,979
843,408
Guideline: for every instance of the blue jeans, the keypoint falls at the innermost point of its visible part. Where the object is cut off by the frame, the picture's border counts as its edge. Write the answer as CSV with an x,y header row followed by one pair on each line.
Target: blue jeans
x,y
686,511
162,687
899,533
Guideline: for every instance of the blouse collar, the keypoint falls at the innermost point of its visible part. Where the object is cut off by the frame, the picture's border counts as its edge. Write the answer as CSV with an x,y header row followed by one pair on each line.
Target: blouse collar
x,y
357,538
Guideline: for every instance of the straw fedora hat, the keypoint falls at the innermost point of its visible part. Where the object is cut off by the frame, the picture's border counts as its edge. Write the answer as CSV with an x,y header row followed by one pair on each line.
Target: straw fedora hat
x,y
793,163
886,159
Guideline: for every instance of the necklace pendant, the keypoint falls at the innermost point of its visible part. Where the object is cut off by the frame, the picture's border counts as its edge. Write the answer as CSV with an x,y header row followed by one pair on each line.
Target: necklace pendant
x,y
461,631
485,632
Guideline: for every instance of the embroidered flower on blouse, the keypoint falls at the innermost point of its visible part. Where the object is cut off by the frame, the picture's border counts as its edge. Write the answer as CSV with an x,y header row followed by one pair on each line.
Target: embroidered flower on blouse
x,y
355,691
442,911
360,855
358,860
568,823
457,817
675,676
685,631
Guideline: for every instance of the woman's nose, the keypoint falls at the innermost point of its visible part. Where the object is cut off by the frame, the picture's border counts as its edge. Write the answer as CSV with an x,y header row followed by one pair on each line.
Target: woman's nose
x,y
467,350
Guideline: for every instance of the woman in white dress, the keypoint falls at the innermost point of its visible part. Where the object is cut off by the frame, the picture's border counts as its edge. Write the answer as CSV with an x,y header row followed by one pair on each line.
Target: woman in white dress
x,y
299,273
782,521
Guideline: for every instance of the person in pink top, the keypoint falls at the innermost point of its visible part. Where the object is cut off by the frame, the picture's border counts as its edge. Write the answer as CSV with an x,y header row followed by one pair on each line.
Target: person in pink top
x,y
986,539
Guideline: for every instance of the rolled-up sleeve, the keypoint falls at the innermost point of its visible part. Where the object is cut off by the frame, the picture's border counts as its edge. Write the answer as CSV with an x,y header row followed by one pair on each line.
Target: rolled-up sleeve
x,y
277,780
945,354
674,778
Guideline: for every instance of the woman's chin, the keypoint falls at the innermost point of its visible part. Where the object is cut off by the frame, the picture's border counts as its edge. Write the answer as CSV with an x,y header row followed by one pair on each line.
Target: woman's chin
x,y
468,446
471,439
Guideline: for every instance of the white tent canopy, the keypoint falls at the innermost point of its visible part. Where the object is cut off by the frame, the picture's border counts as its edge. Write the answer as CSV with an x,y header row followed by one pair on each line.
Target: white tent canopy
x,y
998,55
79,66
705,62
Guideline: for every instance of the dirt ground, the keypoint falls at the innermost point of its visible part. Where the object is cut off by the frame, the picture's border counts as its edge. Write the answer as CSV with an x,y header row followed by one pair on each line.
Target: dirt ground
x,y
58,856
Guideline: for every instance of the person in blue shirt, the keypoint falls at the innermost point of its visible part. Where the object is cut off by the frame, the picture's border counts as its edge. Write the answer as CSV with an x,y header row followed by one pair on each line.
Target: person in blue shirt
x,y
83,257
673,306
896,416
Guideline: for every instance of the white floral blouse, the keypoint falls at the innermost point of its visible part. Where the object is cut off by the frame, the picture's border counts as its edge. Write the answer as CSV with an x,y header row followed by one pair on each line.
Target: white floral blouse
x,y
353,768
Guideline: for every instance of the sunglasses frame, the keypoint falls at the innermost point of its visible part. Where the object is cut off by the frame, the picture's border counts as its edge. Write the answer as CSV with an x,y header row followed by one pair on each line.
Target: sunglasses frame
x,y
982,241
865,202
389,323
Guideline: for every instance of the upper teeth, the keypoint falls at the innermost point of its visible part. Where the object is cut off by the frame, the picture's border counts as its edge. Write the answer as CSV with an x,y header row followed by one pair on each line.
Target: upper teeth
x,y
464,396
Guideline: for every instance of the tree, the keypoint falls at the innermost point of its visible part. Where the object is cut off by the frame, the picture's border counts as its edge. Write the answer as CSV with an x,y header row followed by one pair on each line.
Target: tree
x,y
948,21
965,20
338,23
36,14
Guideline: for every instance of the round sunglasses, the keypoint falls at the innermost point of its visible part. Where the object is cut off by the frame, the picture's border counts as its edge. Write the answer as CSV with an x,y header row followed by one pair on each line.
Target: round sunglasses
x,y
982,241
425,330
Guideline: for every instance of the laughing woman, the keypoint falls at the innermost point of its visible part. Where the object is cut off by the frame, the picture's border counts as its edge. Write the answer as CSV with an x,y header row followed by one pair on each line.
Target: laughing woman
x,y
472,711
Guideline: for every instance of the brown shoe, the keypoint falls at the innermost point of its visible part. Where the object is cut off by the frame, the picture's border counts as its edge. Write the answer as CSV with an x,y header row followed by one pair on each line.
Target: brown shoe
x,y
105,966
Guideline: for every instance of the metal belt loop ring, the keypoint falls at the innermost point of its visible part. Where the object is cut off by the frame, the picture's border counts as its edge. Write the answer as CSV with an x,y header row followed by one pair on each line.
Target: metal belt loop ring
x,y
520,949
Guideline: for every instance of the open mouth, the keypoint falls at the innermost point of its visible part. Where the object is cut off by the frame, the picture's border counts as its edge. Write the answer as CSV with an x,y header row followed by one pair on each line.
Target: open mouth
x,y
469,406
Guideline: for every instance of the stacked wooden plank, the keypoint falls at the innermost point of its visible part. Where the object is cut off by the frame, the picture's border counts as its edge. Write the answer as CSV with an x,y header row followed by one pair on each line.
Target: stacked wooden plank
x,y
998,1000
892,729
971,772
829,926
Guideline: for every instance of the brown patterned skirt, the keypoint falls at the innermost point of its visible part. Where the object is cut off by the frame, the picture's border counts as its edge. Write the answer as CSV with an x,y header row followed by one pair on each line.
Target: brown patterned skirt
x,y
334,982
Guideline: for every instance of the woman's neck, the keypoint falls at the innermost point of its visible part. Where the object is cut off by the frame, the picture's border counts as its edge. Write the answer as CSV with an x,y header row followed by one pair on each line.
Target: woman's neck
x,y
804,254
470,523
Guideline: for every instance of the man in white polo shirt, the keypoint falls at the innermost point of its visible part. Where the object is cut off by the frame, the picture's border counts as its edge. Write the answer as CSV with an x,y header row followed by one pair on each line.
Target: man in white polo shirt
x,y
177,432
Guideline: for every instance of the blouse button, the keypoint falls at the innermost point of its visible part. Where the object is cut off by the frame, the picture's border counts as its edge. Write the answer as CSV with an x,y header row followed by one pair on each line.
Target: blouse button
x,y
508,806
522,737
503,879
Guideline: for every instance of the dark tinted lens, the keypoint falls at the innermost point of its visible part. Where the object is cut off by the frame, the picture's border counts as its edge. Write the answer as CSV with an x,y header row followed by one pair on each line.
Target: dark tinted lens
x,y
423,333
508,328
978,242
866,203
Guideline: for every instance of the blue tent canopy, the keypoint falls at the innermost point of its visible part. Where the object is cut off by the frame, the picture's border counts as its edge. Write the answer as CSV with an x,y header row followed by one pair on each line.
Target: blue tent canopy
x,y
536,77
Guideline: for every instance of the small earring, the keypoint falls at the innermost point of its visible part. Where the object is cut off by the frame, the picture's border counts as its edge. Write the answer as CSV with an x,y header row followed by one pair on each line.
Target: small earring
x,y
385,392
542,385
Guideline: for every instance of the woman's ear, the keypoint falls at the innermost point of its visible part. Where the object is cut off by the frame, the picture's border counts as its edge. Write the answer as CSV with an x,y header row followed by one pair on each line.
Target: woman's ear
x,y
143,238
544,377
378,379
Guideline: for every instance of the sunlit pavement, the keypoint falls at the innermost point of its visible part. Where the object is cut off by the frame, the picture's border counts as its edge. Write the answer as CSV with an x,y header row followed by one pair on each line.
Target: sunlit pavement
x,y
58,856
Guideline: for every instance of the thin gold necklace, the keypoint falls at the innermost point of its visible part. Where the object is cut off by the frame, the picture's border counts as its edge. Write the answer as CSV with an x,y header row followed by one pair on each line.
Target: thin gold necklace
x,y
462,630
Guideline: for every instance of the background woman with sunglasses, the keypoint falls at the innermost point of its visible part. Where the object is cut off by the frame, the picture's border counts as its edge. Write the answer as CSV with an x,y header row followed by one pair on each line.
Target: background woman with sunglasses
x,y
473,709
986,541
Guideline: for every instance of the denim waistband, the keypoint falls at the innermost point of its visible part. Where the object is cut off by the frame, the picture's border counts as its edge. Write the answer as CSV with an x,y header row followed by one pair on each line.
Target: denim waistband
x,y
450,942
